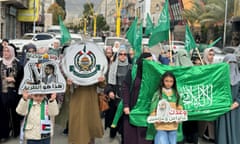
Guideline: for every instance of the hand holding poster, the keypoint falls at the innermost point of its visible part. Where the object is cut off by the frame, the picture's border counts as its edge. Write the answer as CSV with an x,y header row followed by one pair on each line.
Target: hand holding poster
x,y
42,76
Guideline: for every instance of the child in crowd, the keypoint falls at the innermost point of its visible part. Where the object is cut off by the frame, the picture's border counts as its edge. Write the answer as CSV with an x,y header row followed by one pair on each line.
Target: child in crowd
x,y
37,125
167,131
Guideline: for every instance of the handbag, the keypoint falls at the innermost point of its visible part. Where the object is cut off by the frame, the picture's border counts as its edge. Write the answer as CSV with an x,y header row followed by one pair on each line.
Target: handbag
x,y
103,102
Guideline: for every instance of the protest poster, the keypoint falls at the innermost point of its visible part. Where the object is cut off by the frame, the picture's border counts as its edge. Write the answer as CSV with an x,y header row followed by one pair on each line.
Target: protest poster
x,y
42,75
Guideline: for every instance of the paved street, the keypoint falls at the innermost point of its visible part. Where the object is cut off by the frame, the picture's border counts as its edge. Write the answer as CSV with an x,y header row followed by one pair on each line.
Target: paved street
x,y
59,138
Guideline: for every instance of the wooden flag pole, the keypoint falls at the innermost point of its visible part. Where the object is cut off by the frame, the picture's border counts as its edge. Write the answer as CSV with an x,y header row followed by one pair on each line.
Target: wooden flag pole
x,y
199,55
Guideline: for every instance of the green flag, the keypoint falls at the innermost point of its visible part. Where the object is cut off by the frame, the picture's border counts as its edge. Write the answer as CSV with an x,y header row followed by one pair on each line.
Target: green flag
x,y
161,31
149,25
215,42
134,36
65,35
138,43
204,90
189,40
131,33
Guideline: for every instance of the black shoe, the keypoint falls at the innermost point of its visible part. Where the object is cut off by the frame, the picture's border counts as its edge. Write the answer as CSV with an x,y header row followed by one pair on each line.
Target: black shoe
x,y
65,132
211,140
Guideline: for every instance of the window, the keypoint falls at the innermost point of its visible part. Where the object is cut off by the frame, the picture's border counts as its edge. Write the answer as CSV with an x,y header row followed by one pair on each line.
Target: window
x,y
43,37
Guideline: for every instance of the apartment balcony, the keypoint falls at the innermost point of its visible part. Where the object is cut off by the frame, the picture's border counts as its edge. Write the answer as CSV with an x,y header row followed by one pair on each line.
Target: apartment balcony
x,y
17,3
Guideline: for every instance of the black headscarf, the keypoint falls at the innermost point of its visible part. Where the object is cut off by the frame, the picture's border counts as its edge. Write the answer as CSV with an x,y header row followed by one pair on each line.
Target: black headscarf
x,y
140,62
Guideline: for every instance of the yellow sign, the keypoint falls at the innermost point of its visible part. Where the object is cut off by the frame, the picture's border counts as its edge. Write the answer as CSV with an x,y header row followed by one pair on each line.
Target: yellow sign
x,y
31,14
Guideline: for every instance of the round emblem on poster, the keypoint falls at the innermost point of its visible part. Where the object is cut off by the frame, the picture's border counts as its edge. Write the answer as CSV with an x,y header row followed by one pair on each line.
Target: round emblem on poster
x,y
84,63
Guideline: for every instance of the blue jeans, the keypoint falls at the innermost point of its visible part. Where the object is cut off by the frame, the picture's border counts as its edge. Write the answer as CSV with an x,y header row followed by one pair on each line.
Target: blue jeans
x,y
166,137
41,141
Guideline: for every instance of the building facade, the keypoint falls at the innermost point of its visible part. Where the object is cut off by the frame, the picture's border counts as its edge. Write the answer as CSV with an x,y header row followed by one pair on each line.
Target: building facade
x,y
10,27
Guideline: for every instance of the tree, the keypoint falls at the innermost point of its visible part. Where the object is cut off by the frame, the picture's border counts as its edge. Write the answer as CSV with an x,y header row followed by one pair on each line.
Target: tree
x,y
101,23
192,15
88,9
63,5
56,10
215,12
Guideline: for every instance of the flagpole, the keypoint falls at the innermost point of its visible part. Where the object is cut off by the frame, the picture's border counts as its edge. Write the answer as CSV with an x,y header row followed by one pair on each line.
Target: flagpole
x,y
199,55
170,46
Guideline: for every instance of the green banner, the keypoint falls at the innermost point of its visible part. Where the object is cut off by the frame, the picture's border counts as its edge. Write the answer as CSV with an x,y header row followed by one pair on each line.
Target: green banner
x,y
205,90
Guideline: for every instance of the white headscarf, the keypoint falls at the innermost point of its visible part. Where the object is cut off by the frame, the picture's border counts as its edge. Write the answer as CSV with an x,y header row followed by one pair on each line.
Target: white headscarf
x,y
8,62
234,73
115,49
205,56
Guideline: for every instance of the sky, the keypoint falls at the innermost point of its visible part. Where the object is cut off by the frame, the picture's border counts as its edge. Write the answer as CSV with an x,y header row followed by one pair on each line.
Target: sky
x,y
75,7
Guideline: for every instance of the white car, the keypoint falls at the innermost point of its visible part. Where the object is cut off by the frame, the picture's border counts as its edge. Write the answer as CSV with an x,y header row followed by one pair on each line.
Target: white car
x,y
74,37
54,29
38,39
176,45
219,55
98,41
109,41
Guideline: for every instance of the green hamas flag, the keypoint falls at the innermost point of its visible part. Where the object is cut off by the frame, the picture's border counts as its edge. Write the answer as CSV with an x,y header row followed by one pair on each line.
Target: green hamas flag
x,y
205,90
134,36
65,35
131,33
189,40
215,42
138,43
161,31
149,25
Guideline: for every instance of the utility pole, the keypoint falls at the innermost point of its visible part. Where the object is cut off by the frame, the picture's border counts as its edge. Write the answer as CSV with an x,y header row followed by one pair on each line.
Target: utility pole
x,y
85,25
94,24
106,9
118,15
225,23
34,16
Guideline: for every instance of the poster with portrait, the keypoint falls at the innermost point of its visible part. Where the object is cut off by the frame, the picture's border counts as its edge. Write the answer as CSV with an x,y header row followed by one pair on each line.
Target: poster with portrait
x,y
43,76
84,63
166,114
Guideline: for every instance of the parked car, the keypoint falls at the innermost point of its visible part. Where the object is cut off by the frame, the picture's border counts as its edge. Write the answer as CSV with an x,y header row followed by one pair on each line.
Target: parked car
x,y
176,45
39,39
229,49
74,37
219,54
54,29
98,41
109,42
